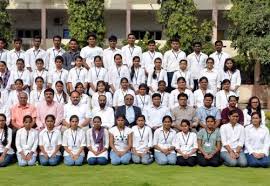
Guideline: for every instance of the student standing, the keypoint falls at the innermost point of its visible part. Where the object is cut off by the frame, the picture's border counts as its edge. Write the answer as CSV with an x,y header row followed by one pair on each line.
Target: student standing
x,y
69,56
40,71
3,51
15,54
109,53
137,74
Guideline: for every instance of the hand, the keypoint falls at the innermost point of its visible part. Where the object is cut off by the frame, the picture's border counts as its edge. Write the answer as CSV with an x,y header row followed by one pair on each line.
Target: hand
x,y
166,151
185,156
206,156
237,154
53,155
261,155
2,158
210,156
119,153
75,156
28,157
232,155
46,155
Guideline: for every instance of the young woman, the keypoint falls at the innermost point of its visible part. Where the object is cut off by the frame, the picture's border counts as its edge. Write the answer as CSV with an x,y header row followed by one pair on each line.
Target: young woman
x,y
233,138
137,74
223,95
6,152
183,72
74,143
60,95
118,72
257,143
4,74
181,88
209,144
118,97
97,73
142,142
26,143
120,142
212,75
40,71
199,93
84,97
254,105
230,72
50,140
143,100
97,143
186,145
101,90
163,143
37,94
77,74
165,96
13,95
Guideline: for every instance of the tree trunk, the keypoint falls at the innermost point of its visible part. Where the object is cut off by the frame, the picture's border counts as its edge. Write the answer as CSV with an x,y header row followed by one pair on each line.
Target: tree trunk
x,y
257,72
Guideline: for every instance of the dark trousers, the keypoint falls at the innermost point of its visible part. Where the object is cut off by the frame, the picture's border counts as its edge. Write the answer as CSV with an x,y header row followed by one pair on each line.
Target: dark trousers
x,y
170,76
191,161
196,84
213,162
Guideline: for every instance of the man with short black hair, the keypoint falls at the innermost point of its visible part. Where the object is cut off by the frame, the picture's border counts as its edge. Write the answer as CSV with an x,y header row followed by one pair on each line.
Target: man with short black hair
x,y
69,56
108,53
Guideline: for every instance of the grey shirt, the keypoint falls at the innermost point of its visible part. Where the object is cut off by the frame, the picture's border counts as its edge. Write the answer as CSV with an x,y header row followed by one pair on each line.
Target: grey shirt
x,y
69,59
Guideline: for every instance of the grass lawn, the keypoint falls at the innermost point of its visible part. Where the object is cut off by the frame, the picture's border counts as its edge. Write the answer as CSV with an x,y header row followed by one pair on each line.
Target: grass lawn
x,y
133,175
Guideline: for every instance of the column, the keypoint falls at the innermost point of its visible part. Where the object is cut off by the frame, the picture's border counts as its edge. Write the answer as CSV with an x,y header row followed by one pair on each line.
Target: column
x,y
215,19
43,26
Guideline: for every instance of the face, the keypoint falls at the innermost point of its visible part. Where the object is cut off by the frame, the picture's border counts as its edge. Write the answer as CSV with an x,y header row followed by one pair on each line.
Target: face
x,y
207,102
226,86
175,45
40,65
131,39
59,87
136,62
124,84
2,122
156,101
2,45
118,60
162,87
254,103
142,91
57,42
184,127
256,120
18,86
50,123
58,64
210,123
97,123
91,41
73,45
158,64
17,45
120,122
210,64
101,87
204,84
79,62
229,64
129,100
112,43
167,123
181,84
37,42
218,46
27,123
183,65
140,122
102,101
98,62
49,96
20,65
22,98
2,67
182,101
232,102
39,83
197,48
80,89
234,118
75,98
74,123
152,47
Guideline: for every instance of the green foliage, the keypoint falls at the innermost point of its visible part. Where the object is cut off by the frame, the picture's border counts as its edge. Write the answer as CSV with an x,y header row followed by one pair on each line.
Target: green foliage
x,y
179,19
5,22
86,16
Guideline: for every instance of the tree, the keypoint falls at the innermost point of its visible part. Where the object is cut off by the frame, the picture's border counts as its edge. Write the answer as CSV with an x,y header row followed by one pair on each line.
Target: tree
x,y
250,32
179,19
86,16
5,22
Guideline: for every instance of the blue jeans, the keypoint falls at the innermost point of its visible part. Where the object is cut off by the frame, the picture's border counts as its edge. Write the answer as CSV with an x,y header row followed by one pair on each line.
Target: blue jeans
x,y
7,160
146,159
228,161
70,162
97,160
23,163
163,159
50,161
116,160
254,162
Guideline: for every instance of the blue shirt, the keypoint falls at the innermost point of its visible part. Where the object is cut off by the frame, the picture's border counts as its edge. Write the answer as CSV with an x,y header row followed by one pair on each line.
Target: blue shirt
x,y
203,112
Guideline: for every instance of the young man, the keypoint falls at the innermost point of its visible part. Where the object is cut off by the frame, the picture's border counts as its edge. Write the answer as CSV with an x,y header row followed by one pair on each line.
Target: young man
x,y
196,63
108,53
34,53
69,56
89,52
219,56
3,51
54,51
171,60
15,53
149,56
130,50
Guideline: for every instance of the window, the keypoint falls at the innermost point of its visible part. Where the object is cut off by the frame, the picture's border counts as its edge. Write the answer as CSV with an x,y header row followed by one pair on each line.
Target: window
x,y
156,35
28,33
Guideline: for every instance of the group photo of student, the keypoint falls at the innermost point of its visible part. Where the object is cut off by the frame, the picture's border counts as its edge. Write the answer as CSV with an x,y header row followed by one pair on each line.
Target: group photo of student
x,y
120,106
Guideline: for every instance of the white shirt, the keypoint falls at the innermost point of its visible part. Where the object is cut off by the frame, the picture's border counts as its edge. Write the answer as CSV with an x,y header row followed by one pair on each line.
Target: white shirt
x,y
26,141
165,98
108,57
9,140
219,59
172,59
196,63
109,100
24,75
143,102
4,97
151,82
235,78
97,74
233,137
174,101
59,98
130,52
148,59
164,139
3,55
116,73
31,55
213,77
91,143
199,97
58,75
89,53
107,116
138,78
257,140
76,75
12,57
185,142
142,138
36,97
74,140
119,95
222,99
247,117
185,74
51,55
120,137
50,140
154,115
44,74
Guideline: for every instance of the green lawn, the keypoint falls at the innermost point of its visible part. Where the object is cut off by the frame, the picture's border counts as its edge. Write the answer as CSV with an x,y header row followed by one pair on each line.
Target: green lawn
x,y
137,175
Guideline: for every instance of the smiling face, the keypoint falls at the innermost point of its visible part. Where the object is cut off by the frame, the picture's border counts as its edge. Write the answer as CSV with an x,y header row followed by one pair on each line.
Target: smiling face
x,y
50,123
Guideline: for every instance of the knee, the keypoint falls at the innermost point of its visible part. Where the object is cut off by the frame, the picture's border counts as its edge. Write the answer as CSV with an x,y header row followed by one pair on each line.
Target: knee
x,y
79,162
136,159
146,161
162,161
102,161
231,163
53,162
202,163
92,161
68,162
215,163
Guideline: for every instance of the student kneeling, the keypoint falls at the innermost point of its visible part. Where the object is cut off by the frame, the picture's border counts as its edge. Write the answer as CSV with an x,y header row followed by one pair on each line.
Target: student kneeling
x,y
186,145
97,139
